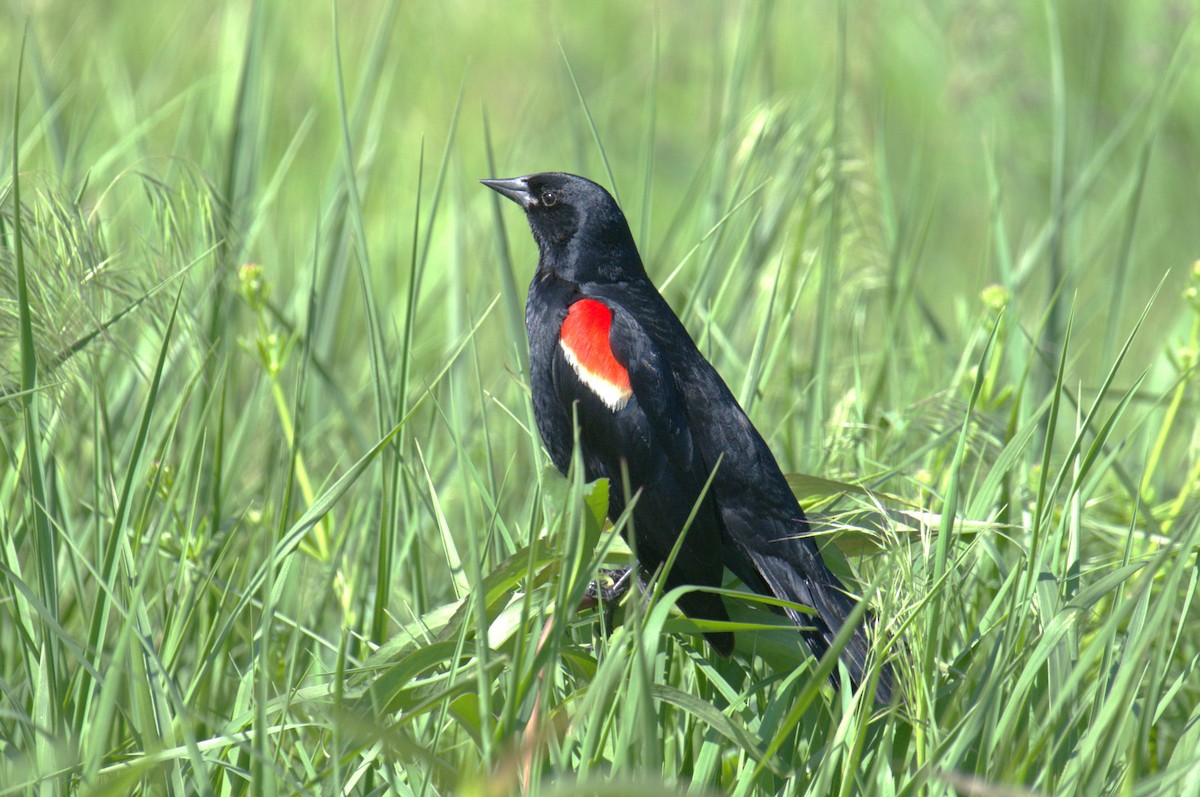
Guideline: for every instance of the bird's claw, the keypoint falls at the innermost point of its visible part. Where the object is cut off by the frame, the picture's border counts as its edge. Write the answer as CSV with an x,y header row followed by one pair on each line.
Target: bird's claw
x,y
610,584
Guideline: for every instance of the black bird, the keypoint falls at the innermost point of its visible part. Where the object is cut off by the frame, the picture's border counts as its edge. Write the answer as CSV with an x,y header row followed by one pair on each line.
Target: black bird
x,y
605,347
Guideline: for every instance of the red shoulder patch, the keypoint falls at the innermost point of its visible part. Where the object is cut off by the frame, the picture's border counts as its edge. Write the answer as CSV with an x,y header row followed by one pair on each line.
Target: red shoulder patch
x,y
584,341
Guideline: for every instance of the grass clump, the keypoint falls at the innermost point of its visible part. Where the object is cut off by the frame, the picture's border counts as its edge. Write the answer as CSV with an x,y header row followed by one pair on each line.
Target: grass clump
x,y
274,516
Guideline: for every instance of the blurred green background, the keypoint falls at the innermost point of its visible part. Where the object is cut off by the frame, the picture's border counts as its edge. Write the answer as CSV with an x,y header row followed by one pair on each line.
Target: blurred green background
x,y
934,91
1047,147
825,193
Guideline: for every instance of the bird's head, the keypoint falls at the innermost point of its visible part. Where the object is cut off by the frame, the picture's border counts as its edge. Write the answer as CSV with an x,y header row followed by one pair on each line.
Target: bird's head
x,y
580,231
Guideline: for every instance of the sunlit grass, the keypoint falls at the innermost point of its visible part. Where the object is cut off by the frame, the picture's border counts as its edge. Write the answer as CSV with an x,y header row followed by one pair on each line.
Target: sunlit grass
x,y
275,516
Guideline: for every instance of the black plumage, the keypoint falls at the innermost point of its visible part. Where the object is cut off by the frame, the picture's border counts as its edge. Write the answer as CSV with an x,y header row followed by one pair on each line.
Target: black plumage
x,y
652,410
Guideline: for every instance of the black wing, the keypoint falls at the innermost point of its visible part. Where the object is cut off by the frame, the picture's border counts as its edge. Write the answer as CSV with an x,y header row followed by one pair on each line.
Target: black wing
x,y
647,441
766,540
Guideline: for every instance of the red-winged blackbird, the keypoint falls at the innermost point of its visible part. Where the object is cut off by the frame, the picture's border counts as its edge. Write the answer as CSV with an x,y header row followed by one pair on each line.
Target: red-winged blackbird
x,y
606,348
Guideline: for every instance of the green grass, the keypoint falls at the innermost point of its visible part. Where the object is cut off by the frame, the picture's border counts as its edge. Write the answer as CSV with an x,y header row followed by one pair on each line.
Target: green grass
x,y
274,518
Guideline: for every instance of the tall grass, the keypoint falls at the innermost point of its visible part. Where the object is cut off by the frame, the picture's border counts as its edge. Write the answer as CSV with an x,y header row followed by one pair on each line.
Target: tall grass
x,y
275,515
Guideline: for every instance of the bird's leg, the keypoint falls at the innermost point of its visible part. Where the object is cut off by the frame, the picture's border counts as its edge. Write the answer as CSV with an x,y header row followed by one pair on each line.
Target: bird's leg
x,y
608,588
610,583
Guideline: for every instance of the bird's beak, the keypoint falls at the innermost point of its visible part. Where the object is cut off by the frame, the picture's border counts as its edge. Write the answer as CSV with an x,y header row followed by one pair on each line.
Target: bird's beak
x,y
514,188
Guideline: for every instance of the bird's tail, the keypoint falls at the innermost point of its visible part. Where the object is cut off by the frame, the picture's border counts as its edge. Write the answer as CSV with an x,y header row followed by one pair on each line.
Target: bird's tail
x,y
801,577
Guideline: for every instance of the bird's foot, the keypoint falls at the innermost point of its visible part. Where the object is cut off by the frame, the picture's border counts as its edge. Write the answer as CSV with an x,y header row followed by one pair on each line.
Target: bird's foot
x,y
610,584
606,591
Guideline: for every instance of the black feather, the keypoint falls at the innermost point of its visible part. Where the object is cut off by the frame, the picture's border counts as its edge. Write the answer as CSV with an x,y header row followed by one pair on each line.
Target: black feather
x,y
679,423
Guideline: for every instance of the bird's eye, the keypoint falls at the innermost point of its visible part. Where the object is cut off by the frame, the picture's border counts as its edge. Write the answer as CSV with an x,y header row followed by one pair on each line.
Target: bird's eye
x,y
549,198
